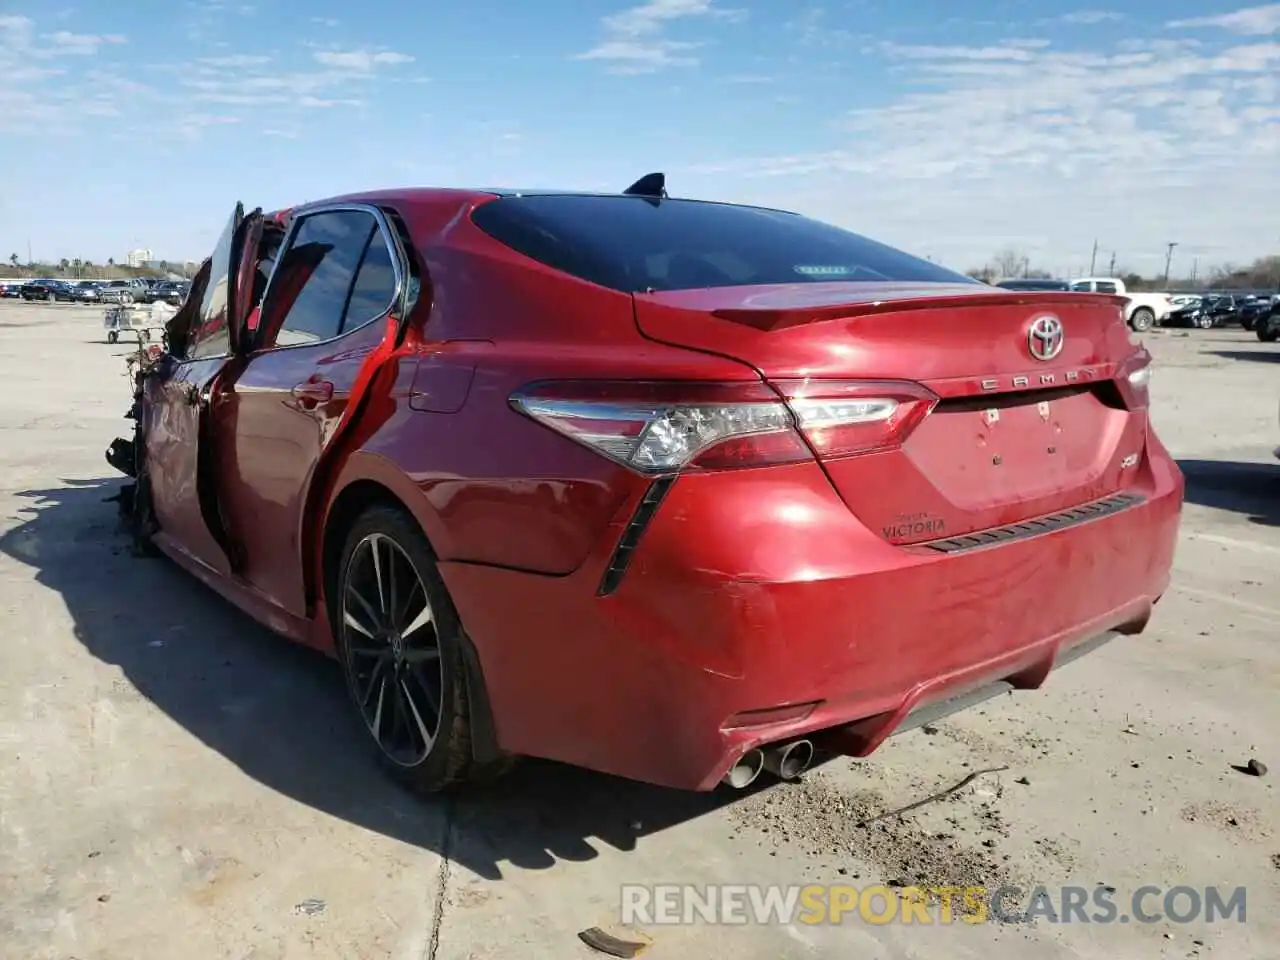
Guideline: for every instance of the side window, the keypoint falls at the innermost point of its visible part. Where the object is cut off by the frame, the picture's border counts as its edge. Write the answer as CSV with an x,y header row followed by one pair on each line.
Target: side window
x,y
1106,288
375,285
313,281
1082,286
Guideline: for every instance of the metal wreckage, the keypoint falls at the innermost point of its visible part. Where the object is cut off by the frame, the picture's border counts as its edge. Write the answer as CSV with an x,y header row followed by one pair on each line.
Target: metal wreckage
x,y
128,455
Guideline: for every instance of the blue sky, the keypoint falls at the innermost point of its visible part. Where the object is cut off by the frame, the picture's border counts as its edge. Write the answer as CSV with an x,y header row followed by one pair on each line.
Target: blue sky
x,y
951,129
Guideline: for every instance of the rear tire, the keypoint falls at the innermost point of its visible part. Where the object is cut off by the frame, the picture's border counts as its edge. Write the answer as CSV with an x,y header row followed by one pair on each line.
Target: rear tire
x,y
1267,332
113,337
1143,319
399,640
1204,323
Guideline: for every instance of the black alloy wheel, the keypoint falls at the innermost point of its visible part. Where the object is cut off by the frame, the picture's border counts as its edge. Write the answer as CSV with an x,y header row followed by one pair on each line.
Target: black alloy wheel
x,y
399,641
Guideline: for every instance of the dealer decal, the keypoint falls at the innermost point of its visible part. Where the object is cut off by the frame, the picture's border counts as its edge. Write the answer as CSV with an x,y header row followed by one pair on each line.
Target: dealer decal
x,y
914,526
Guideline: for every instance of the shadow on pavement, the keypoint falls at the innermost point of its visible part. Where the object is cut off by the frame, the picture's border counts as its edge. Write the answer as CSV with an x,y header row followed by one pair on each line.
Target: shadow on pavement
x,y
279,711
1252,489
1258,356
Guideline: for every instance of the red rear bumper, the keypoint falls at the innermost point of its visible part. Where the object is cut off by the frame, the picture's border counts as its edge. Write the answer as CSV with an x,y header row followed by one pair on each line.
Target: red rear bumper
x,y
756,590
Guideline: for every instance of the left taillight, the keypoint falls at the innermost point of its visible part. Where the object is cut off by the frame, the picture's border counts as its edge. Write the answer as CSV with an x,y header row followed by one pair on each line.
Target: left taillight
x,y
658,428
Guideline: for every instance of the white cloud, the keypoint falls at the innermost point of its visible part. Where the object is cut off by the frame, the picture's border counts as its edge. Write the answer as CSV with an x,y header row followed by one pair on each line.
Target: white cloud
x,y
635,40
1047,146
81,43
1087,18
360,61
235,60
1021,51
1250,21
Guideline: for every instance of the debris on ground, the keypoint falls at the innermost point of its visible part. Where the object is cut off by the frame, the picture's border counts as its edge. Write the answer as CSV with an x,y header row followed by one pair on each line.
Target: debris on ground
x,y
310,907
941,794
813,818
602,942
1254,768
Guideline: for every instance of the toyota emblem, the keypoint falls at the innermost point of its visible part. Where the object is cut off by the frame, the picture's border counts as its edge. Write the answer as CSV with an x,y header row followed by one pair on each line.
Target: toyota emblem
x,y
1044,339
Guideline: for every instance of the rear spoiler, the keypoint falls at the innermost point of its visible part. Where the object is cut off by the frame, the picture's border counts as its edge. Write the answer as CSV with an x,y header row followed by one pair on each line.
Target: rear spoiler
x,y
767,318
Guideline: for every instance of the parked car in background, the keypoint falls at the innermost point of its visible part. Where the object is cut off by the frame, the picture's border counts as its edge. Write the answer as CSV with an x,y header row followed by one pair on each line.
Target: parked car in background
x,y
1251,309
1188,311
1142,310
11,289
534,523
1221,308
168,291
86,291
48,290
1034,284
1267,327
123,291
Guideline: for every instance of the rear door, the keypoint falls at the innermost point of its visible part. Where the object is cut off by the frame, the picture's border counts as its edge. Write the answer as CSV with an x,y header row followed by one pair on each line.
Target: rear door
x,y
337,275
181,466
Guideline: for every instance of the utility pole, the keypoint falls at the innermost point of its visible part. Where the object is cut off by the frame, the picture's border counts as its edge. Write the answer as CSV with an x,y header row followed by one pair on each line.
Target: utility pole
x,y
1093,259
1111,270
1194,266
1168,259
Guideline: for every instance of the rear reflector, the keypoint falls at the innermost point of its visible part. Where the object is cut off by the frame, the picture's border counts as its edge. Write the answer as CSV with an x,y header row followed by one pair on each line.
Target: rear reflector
x,y
658,428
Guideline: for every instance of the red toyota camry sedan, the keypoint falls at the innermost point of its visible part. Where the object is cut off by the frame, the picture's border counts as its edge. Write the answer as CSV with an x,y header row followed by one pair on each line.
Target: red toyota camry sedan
x,y
676,490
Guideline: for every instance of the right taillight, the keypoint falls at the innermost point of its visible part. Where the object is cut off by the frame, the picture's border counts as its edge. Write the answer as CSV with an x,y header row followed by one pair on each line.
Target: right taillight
x,y
1134,379
658,428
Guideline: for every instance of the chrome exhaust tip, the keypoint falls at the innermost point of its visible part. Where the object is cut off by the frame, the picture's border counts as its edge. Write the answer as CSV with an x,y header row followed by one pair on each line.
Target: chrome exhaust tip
x,y
743,773
789,760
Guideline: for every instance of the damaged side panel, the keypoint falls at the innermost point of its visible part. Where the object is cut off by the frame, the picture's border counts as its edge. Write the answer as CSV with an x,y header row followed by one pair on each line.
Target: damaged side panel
x,y
175,497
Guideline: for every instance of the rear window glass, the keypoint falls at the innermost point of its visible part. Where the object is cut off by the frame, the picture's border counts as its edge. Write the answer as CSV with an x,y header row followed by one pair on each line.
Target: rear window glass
x,y
635,244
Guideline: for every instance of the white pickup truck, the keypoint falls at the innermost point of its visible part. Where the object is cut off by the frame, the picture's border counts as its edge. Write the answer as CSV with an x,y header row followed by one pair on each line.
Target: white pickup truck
x,y
1142,311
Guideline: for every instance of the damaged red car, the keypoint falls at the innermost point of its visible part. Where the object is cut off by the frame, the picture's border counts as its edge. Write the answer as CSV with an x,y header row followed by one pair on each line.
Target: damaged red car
x,y
676,490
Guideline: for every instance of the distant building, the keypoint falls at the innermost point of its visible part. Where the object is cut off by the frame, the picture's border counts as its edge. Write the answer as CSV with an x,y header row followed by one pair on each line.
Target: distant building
x,y
138,258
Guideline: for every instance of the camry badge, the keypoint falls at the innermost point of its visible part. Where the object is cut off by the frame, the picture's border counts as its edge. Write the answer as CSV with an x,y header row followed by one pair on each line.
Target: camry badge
x,y
1045,337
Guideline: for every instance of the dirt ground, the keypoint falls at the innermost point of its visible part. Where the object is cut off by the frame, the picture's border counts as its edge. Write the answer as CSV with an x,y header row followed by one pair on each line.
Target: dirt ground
x,y
174,781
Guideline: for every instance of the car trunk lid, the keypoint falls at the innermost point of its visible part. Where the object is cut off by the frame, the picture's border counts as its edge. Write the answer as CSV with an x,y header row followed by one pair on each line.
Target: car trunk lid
x,y
1011,436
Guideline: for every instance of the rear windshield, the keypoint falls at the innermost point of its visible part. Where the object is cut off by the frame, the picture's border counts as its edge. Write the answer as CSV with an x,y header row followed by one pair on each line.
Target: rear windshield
x,y
635,244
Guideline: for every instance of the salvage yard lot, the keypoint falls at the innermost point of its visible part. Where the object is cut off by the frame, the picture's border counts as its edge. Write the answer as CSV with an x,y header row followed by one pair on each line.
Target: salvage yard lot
x,y
174,781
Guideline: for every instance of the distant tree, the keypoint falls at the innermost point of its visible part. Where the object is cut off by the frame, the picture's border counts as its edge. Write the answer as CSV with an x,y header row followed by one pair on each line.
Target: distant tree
x,y
1010,262
986,273
1132,279
13,259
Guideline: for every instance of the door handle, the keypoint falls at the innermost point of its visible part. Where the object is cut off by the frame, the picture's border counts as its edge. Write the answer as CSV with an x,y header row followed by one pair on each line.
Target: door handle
x,y
310,393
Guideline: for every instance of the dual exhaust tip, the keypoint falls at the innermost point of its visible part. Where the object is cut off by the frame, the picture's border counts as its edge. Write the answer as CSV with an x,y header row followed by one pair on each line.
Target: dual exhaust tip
x,y
786,761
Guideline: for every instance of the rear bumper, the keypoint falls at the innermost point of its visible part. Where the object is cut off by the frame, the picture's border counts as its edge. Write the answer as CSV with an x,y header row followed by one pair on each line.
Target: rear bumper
x,y
757,609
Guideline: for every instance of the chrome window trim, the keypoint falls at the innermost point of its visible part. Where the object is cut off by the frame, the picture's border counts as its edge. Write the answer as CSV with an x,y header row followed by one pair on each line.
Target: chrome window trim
x,y
389,237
